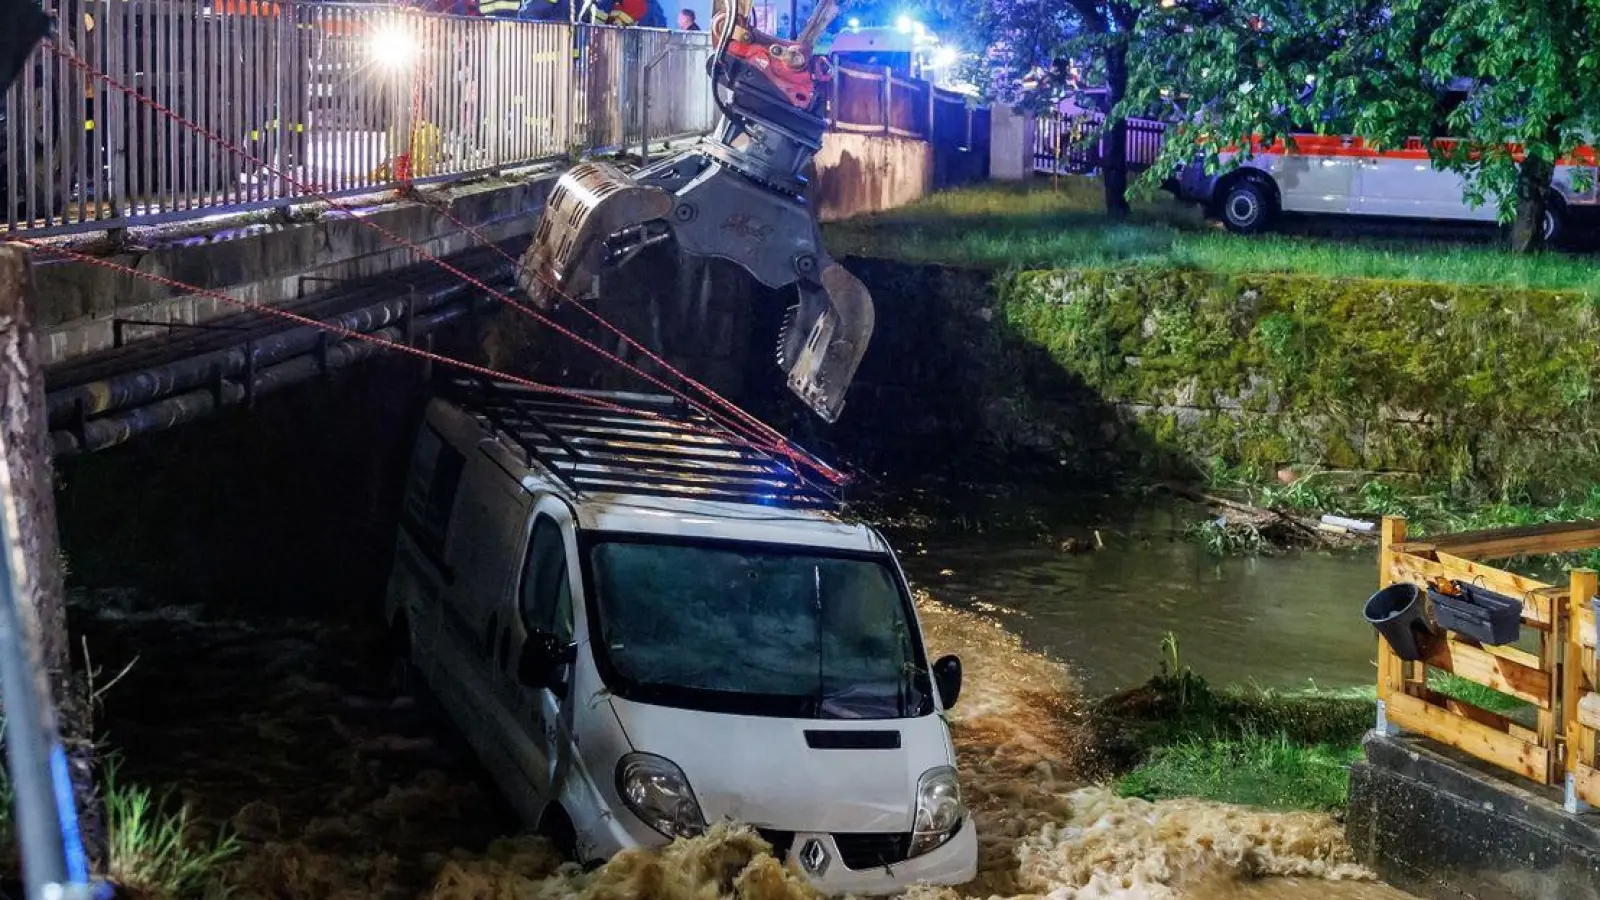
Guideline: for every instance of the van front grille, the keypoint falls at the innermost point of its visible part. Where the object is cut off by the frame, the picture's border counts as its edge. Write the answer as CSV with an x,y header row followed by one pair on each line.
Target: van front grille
x,y
873,850
781,841
858,851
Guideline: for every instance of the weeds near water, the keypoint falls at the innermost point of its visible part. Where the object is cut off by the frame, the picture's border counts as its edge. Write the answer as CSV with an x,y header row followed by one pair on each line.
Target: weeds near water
x,y
1177,736
1429,508
1256,770
1303,494
1223,475
153,852
1221,537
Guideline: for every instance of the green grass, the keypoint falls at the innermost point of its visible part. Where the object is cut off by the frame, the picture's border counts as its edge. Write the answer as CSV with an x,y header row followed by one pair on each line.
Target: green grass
x,y
1177,736
1012,226
154,852
1257,770
1474,693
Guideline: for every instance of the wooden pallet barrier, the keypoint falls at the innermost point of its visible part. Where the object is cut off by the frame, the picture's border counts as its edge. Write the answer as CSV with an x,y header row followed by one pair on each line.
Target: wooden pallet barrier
x,y
1554,672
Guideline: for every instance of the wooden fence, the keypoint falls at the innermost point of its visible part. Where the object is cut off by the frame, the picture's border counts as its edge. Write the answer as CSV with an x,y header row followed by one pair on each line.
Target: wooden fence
x,y
1553,669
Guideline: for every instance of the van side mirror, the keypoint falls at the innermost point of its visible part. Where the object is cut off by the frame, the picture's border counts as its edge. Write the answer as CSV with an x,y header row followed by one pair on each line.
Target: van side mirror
x,y
947,675
543,661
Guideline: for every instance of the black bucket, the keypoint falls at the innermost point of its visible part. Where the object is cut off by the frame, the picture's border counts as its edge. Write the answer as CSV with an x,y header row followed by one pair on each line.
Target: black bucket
x,y
1396,611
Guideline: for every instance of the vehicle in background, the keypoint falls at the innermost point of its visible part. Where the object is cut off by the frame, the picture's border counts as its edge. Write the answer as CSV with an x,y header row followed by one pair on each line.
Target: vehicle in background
x,y
642,627
1335,174
907,48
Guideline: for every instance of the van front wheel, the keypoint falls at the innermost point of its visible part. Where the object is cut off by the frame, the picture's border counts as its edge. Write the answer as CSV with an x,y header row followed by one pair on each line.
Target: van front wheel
x,y
402,675
556,827
1553,225
1247,207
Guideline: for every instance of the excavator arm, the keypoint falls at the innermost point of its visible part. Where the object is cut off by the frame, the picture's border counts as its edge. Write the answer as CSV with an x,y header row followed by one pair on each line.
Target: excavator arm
x,y
738,195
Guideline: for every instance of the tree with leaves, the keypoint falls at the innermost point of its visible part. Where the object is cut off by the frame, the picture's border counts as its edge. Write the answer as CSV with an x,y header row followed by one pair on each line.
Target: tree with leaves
x,y
1499,90
1039,40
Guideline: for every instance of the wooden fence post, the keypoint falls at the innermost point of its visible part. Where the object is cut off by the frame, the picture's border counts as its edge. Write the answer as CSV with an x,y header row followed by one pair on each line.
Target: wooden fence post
x,y
1577,679
1391,669
25,471
888,98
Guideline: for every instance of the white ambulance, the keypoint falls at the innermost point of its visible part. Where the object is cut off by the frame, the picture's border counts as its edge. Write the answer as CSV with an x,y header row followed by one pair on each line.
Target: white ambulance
x,y
643,627
1342,175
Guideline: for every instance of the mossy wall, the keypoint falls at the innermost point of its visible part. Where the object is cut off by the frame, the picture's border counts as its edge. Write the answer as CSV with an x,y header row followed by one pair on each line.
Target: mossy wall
x,y
1487,387
1096,373
946,383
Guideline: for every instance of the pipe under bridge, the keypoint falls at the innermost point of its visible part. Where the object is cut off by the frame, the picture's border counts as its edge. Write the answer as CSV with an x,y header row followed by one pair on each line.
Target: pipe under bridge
x,y
138,388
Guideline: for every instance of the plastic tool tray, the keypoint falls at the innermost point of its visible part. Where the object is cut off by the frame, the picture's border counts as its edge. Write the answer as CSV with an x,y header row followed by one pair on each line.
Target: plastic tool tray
x,y
1478,613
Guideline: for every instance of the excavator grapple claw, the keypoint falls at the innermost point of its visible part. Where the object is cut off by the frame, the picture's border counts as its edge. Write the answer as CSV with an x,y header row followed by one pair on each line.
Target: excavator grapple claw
x,y
739,195
824,339
594,217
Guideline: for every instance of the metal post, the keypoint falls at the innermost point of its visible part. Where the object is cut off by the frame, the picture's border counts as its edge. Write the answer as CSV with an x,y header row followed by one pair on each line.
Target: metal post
x,y
576,63
644,109
1382,725
44,807
116,120
1571,802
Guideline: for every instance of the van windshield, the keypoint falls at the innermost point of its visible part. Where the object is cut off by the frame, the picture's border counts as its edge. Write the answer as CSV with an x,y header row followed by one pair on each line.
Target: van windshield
x,y
756,630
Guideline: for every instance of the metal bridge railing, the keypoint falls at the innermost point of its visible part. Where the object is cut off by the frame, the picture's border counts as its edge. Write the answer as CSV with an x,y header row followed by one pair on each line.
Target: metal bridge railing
x,y
341,98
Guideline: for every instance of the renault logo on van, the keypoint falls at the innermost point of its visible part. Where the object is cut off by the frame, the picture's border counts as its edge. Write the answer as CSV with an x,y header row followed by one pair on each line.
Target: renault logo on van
x,y
814,857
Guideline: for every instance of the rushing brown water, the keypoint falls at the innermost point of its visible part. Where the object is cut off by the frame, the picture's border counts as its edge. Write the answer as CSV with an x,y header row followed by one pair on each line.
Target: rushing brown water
x,y
1043,833
342,795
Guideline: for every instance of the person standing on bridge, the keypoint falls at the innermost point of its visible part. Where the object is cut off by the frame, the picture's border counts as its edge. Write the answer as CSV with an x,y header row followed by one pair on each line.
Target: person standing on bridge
x,y
546,10
686,20
500,9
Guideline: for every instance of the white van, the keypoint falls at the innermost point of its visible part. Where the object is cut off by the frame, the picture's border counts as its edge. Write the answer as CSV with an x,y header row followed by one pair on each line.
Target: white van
x,y
641,627
1343,175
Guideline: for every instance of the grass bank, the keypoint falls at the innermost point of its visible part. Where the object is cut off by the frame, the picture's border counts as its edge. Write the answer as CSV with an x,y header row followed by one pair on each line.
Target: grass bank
x,y
155,849
1031,226
1178,736
1462,365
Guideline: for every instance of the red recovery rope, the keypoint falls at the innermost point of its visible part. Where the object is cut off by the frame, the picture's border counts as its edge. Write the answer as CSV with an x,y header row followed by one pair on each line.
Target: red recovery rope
x,y
351,334
328,327
763,438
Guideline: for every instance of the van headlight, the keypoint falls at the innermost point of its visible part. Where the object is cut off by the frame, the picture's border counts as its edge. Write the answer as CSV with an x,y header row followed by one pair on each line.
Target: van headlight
x,y
939,810
659,794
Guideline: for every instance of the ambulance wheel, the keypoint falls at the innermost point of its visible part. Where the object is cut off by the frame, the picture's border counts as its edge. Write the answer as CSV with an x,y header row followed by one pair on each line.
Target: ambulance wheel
x,y
1248,206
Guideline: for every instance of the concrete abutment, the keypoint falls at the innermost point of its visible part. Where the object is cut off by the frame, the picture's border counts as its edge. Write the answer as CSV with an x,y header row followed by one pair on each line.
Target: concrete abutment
x,y
1445,827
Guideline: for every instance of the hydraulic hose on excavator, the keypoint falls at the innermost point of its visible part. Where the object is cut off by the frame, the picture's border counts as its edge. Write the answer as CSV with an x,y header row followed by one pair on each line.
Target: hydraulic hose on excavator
x,y
738,195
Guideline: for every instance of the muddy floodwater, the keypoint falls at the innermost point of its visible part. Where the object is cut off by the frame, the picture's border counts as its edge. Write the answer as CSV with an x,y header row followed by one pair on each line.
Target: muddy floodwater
x,y
1096,582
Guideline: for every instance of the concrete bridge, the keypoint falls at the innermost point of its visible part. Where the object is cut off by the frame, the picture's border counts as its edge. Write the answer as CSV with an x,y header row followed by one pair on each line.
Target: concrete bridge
x,y
166,171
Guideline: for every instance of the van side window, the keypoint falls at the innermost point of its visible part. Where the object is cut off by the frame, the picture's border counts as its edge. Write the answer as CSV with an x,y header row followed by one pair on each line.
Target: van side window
x,y
431,491
546,599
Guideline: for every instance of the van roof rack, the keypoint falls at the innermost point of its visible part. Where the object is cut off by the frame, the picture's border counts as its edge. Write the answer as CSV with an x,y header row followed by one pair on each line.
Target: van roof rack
x,y
653,445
